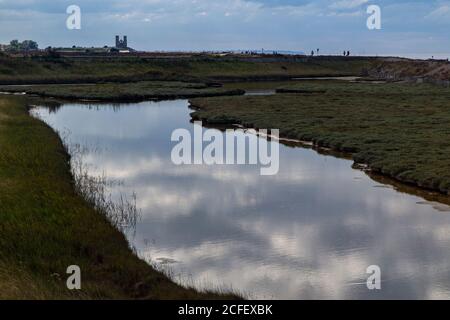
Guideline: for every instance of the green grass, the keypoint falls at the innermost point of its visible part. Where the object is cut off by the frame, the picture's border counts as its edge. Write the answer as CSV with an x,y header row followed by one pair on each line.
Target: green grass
x,y
399,130
65,70
45,226
136,91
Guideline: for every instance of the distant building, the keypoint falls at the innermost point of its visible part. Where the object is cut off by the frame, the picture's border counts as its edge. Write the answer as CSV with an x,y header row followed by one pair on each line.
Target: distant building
x,y
122,44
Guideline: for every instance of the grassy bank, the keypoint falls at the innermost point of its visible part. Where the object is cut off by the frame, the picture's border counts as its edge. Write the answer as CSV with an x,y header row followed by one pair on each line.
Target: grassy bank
x,y
45,226
433,71
135,91
399,130
202,68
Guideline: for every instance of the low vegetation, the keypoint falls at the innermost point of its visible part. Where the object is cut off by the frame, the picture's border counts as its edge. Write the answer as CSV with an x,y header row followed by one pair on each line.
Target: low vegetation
x,y
46,226
136,91
434,71
399,130
40,70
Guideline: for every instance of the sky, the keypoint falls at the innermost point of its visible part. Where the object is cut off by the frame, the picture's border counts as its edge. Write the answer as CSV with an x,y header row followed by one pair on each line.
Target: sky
x,y
409,28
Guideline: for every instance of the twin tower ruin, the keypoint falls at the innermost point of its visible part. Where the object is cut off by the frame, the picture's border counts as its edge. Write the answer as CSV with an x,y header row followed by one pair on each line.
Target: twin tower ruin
x,y
122,44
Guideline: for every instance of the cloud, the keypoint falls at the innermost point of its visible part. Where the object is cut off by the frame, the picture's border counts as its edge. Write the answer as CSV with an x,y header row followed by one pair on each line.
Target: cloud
x,y
230,24
442,11
348,4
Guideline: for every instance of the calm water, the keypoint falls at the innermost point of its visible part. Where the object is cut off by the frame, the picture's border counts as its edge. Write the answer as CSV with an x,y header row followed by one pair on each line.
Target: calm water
x,y
309,232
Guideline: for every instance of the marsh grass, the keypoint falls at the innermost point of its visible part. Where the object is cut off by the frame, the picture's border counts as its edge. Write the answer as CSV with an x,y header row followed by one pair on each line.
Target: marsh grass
x,y
203,68
125,92
204,285
400,130
122,210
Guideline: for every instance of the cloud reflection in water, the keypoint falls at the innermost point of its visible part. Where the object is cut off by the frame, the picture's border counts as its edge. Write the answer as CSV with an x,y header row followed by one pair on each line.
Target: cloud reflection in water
x,y
309,232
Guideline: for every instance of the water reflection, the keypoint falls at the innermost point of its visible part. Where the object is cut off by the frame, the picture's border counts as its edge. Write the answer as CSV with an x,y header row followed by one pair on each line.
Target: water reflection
x,y
309,232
